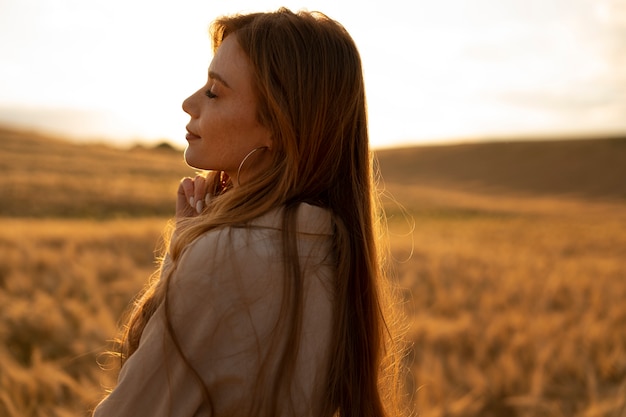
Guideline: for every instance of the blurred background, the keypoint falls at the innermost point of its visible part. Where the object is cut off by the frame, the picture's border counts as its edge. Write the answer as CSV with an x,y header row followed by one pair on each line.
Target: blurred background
x,y
446,70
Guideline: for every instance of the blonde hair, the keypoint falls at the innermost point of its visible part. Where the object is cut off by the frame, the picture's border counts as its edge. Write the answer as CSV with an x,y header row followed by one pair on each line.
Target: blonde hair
x,y
311,96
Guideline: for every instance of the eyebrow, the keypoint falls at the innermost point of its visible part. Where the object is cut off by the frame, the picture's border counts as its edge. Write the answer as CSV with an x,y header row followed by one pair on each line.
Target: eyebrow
x,y
218,77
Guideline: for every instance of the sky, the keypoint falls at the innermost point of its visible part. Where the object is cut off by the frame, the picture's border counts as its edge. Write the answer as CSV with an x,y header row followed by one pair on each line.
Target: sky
x,y
435,70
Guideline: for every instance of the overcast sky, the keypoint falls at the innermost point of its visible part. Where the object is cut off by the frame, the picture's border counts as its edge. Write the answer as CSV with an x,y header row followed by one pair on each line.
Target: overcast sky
x,y
435,70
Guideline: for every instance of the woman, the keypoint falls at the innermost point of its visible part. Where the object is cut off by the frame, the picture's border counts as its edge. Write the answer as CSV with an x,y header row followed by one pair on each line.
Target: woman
x,y
271,297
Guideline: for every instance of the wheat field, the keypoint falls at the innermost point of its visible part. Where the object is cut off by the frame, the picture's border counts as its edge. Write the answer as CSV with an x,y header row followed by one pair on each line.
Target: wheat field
x,y
515,300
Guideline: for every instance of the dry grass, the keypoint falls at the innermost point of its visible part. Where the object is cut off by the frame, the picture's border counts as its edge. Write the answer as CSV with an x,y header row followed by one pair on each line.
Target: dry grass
x,y
515,299
63,287
518,316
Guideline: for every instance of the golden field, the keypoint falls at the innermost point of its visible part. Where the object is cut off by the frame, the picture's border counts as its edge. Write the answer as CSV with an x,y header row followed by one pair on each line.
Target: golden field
x,y
511,258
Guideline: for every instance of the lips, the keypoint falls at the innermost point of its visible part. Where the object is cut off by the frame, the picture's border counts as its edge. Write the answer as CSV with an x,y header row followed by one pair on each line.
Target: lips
x,y
191,136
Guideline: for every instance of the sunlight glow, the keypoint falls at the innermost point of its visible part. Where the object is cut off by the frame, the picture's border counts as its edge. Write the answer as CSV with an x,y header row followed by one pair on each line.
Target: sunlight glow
x,y
435,71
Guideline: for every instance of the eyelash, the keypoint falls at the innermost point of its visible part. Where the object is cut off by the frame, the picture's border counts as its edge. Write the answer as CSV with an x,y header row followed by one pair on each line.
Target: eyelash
x,y
210,94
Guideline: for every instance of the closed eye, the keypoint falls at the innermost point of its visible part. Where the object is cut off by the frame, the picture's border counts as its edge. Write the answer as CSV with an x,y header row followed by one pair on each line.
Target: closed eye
x,y
210,94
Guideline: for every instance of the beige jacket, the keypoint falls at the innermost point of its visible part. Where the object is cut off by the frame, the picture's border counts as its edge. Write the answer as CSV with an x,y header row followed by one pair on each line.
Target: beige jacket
x,y
225,299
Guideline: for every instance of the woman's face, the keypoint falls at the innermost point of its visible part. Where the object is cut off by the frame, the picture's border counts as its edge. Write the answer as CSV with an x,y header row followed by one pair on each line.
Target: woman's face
x,y
224,126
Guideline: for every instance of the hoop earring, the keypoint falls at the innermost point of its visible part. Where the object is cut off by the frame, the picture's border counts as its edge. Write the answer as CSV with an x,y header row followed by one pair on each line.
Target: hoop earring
x,y
245,158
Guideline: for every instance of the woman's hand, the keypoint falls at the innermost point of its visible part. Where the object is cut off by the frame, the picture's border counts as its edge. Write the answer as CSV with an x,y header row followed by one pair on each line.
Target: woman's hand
x,y
193,196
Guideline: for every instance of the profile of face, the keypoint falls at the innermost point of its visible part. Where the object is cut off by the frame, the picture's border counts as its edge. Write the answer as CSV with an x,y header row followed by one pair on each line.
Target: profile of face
x,y
224,127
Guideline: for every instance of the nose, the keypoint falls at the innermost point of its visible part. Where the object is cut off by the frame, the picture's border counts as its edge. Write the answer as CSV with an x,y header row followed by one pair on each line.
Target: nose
x,y
189,107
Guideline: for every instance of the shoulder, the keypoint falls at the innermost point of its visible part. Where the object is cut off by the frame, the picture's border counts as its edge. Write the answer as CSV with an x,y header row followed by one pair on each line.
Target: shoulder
x,y
239,270
256,248
310,220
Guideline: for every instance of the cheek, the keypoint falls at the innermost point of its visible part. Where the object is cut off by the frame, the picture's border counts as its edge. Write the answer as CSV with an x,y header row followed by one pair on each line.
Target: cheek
x,y
251,127
238,129
222,120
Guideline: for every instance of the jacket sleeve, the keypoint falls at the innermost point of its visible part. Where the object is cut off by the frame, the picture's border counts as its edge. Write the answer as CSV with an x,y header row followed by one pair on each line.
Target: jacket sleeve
x,y
224,301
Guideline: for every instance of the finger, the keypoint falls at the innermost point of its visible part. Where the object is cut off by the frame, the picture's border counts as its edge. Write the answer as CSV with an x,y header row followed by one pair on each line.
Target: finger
x,y
199,193
186,189
184,200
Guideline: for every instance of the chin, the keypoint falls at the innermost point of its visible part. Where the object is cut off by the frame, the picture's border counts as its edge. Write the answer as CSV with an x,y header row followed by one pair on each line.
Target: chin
x,y
197,163
190,160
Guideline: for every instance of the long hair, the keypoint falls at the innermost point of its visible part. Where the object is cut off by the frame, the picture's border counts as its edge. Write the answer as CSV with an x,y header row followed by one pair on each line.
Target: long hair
x,y
309,84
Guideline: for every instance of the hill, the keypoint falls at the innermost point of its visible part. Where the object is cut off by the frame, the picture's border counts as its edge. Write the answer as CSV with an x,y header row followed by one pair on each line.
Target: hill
x,y
43,176
591,169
